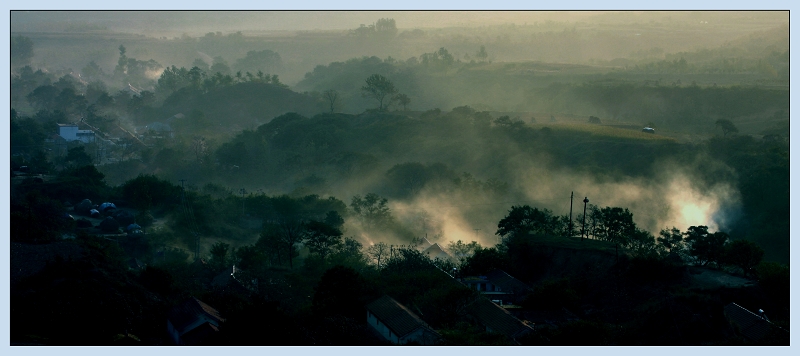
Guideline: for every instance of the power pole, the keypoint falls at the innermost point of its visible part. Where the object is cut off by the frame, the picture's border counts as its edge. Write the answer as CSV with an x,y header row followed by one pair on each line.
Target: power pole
x,y
583,228
570,212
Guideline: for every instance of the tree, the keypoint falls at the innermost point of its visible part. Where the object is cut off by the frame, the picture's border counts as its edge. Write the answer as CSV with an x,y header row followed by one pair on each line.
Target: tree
x,y
744,254
522,220
254,61
331,96
289,225
379,88
671,241
706,247
77,157
643,244
727,127
615,225
321,238
372,210
386,27
482,55
219,254
21,51
379,252
403,100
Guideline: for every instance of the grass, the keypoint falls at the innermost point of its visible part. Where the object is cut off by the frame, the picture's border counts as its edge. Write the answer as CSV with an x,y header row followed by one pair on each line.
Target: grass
x,y
604,131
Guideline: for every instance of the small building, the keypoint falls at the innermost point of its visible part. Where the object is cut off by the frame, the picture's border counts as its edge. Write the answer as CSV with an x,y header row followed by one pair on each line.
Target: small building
x,y
499,286
193,323
497,320
397,324
70,132
755,327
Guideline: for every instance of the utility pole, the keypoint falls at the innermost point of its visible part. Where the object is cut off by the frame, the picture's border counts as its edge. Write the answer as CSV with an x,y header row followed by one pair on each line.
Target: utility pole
x,y
570,212
583,228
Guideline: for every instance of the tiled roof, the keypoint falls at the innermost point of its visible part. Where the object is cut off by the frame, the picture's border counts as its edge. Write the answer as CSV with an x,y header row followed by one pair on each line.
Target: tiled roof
x,y
395,316
497,319
506,282
187,313
750,325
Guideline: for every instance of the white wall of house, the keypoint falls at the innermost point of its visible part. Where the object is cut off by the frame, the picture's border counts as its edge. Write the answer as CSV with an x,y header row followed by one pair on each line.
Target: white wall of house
x,y
71,133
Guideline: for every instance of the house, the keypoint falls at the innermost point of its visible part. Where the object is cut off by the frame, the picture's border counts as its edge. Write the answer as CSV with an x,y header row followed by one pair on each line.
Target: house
x,y
70,132
499,286
755,327
397,324
435,251
495,319
159,129
193,323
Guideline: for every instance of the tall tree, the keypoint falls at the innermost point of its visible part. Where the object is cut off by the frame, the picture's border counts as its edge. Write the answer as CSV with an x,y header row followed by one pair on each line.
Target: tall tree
x,y
379,88
403,99
616,225
706,247
379,252
372,210
331,96
321,238
727,127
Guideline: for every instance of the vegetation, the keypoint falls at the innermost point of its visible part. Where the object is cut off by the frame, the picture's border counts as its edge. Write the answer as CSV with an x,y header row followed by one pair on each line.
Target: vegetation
x,y
293,202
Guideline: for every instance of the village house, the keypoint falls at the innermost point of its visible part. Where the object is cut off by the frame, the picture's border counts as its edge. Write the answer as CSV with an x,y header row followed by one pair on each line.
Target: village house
x,y
70,132
754,327
397,324
193,323
495,319
498,286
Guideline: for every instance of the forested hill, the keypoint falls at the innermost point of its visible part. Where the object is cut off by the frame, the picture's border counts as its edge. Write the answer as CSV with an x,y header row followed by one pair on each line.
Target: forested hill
x,y
242,104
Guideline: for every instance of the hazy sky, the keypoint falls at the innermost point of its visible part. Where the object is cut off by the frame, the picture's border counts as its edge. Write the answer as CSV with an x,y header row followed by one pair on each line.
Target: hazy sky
x,y
139,21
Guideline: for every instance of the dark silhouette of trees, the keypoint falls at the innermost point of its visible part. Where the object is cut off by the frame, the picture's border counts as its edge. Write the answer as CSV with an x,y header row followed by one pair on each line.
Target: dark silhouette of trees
x,y
322,238
523,220
744,254
706,247
402,99
615,225
726,126
379,88
372,210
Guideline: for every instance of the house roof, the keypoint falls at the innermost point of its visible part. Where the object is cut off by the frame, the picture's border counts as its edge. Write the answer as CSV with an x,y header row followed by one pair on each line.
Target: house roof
x,y
497,319
189,311
751,325
199,335
506,282
435,250
395,316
